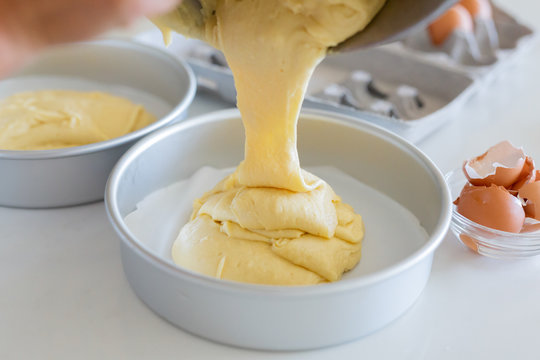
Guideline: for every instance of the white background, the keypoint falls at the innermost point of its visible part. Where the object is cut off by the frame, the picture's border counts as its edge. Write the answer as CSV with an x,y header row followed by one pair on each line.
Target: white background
x,y
63,294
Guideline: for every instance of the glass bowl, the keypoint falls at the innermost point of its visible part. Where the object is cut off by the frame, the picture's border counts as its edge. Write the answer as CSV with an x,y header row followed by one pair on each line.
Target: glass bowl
x,y
487,241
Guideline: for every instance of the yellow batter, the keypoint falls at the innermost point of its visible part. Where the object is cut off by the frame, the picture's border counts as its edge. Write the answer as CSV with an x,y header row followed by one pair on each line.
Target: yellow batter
x,y
51,119
271,222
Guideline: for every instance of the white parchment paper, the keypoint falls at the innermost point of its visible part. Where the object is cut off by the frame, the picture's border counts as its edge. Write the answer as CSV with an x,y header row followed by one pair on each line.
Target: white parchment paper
x,y
392,231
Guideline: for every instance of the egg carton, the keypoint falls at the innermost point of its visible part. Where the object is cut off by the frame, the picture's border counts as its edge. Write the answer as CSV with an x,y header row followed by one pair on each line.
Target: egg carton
x,y
404,95
493,41
408,91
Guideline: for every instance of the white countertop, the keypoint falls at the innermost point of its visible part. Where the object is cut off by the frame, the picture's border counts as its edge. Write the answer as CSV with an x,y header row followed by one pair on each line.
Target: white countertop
x,y
64,295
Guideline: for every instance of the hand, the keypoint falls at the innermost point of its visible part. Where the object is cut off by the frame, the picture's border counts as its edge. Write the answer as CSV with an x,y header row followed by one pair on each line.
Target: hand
x,y
27,26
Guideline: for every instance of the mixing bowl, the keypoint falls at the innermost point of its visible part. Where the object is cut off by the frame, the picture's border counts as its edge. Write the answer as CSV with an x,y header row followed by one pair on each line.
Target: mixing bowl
x,y
279,317
76,175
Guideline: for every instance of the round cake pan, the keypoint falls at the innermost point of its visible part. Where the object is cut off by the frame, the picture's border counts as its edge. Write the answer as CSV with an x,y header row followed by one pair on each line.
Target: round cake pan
x,y
77,175
278,317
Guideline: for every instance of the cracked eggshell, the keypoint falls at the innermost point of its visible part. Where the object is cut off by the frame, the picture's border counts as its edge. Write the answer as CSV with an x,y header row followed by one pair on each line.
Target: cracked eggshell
x,y
530,193
491,206
470,242
528,174
501,165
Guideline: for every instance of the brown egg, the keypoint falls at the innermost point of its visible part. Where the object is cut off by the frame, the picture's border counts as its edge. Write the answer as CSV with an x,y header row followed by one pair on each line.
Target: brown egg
x,y
491,206
531,194
457,17
478,8
501,165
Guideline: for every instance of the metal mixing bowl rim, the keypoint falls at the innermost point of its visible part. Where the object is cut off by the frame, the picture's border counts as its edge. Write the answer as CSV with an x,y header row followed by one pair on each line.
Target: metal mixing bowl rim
x,y
108,144
224,285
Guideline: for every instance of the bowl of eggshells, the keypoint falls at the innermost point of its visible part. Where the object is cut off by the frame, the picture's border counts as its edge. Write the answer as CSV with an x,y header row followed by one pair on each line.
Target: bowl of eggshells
x,y
495,209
